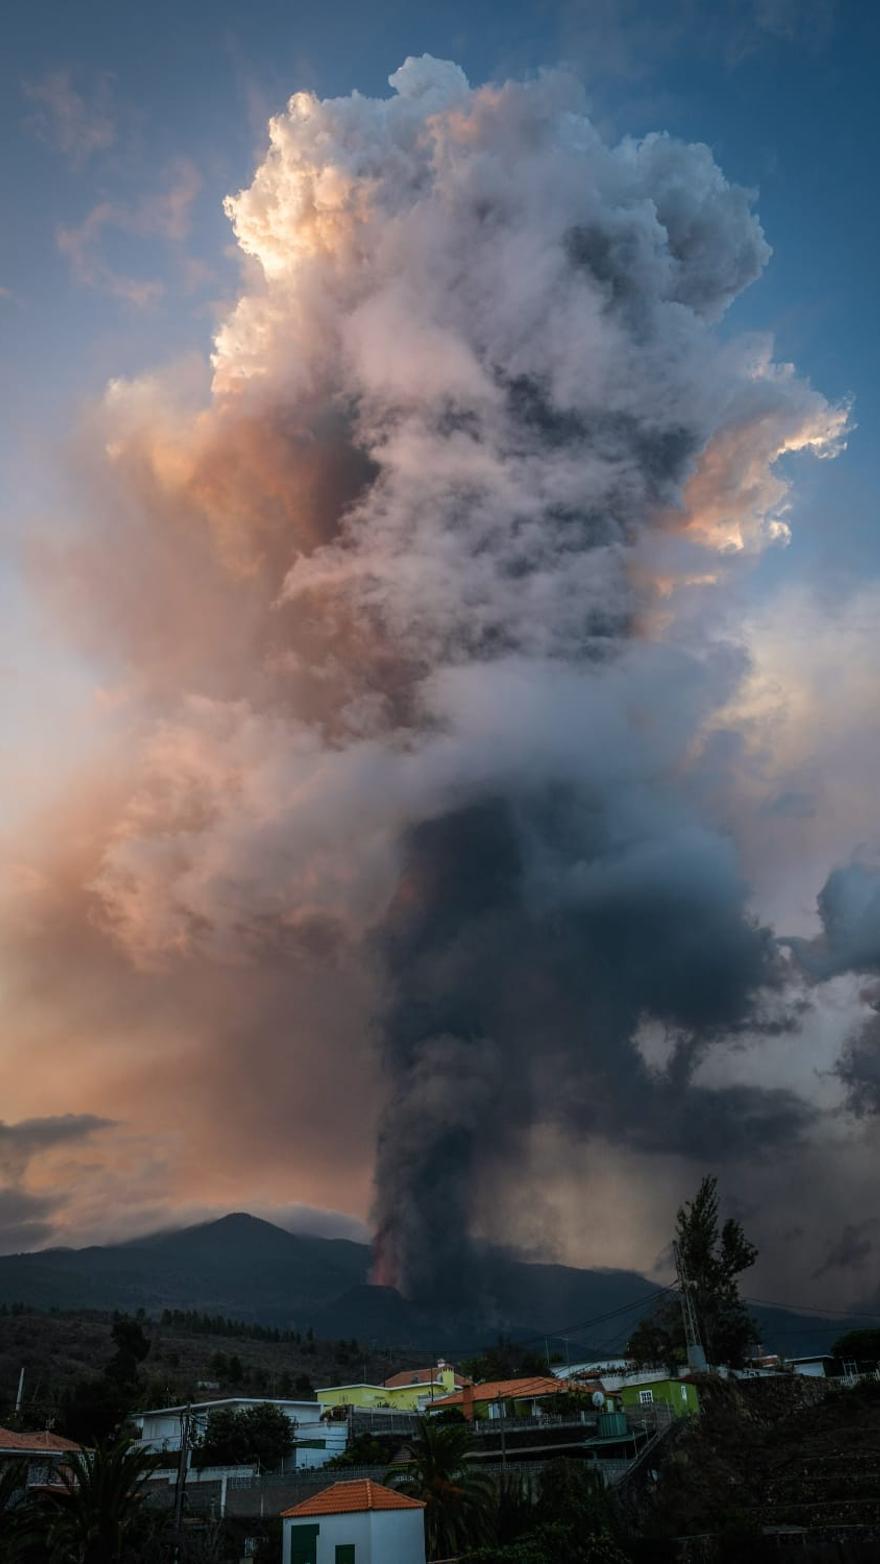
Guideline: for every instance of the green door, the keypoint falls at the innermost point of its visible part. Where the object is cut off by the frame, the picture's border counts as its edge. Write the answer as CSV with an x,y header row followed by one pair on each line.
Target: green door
x,y
304,1545
345,1553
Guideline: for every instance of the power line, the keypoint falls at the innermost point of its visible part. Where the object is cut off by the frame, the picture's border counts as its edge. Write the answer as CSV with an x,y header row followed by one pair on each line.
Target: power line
x,y
808,1308
564,1330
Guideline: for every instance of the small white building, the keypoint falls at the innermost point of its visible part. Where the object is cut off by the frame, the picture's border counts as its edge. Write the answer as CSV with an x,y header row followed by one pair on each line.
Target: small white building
x,y
820,1366
317,1439
359,1522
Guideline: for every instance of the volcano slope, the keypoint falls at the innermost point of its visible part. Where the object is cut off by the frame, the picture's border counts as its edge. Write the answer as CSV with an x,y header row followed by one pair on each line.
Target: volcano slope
x,y
767,1461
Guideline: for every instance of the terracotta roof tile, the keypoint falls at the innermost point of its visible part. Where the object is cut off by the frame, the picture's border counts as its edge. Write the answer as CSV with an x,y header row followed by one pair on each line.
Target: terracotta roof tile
x,y
345,1498
35,1444
419,1377
507,1389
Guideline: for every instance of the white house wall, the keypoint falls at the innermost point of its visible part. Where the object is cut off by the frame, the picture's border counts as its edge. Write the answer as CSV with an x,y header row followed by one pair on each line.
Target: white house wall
x,y
336,1530
162,1430
398,1537
378,1536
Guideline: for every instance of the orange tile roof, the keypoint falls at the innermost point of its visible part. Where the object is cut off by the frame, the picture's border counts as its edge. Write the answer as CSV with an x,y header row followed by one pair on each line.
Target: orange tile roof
x,y
360,1494
420,1377
35,1444
506,1390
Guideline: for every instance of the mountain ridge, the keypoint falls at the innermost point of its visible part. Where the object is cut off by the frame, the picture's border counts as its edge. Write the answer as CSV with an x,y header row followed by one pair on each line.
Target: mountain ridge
x,y
248,1269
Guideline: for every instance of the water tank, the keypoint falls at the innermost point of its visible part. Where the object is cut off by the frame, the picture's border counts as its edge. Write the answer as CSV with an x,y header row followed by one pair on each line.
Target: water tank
x,y
613,1425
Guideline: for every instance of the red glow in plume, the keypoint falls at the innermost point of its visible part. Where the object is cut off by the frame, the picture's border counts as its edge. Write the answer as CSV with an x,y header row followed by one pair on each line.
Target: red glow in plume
x,y
384,1270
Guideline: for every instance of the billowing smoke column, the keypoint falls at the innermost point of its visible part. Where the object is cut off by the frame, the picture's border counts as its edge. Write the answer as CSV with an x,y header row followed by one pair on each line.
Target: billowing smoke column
x,y
476,471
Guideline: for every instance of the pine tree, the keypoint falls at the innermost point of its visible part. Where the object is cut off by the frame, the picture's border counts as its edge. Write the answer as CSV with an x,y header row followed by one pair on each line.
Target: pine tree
x,y
713,1261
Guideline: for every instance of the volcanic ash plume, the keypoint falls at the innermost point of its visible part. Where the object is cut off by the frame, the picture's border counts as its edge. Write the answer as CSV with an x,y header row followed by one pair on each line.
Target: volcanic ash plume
x,y
444,562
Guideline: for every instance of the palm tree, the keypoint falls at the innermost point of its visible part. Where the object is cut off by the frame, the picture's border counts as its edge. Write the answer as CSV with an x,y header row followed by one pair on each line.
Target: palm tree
x,y
98,1509
13,1511
460,1501
13,1482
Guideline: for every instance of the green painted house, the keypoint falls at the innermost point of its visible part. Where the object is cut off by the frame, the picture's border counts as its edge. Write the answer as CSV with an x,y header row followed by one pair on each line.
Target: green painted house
x,y
677,1394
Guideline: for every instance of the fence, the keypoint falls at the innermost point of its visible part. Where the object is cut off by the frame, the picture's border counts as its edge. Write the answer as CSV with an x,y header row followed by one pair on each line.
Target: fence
x,y
272,1492
363,1420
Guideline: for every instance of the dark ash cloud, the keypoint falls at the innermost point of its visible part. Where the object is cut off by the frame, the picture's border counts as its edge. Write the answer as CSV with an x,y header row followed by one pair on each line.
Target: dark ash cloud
x,y
858,1069
21,1142
504,1012
853,1249
849,911
27,1219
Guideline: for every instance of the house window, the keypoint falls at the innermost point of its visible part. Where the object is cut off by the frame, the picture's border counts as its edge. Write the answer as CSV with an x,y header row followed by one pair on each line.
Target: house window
x,y
646,1397
345,1553
683,1392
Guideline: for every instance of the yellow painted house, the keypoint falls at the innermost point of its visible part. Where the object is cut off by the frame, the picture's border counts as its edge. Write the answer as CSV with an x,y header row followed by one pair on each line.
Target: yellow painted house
x,y
409,1391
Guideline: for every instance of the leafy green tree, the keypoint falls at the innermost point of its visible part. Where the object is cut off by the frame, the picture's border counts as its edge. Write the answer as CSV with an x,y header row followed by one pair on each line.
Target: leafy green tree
x,y
259,1435
504,1361
570,1518
861,1346
658,1340
94,1410
459,1499
132,1347
714,1258
367,1450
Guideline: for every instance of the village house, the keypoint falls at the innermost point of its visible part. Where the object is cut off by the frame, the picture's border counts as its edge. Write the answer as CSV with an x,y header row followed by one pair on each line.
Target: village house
x,y
641,1386
359,1522
41,1454
534,1397
413,1390
317,1439
679,1395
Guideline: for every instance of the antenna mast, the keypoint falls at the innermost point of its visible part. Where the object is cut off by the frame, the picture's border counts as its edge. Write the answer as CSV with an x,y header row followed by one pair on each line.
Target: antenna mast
x,y
695,1354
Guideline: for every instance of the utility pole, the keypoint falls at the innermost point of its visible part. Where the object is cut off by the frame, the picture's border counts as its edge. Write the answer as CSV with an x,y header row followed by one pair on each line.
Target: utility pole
x,y
180,1488
696,1355
20,1396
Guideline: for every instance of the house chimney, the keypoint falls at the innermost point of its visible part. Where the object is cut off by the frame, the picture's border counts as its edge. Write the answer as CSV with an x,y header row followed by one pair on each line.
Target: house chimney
x,y
467,1401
